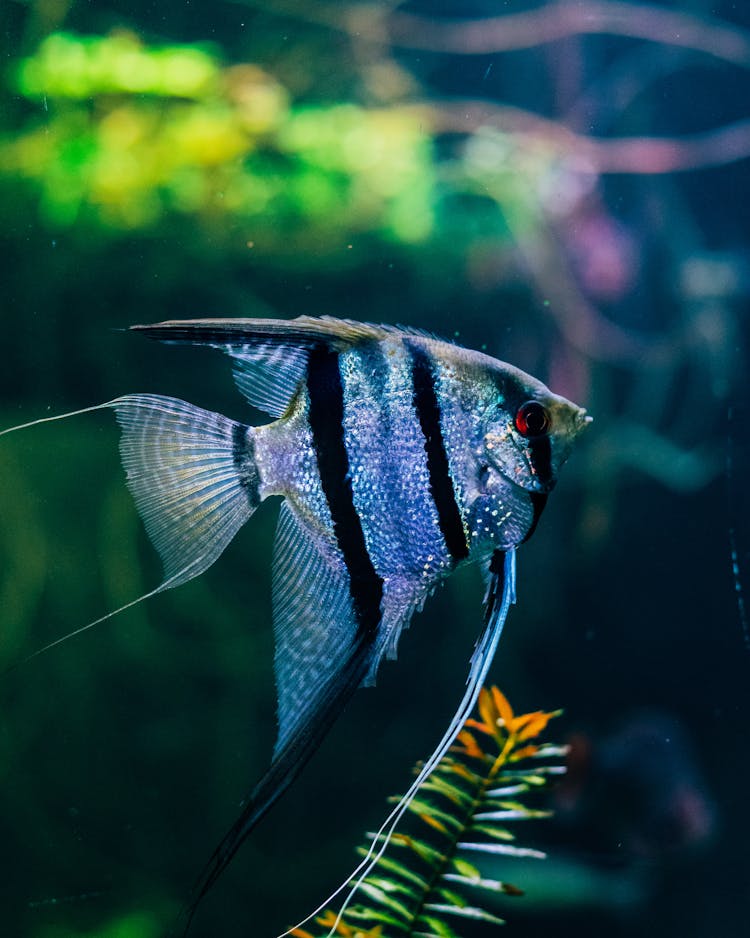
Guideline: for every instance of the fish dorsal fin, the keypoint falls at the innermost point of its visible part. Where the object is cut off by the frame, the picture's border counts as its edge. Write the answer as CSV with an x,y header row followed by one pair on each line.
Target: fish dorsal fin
x,y
419,333
314,624
304,332
268,375
270,355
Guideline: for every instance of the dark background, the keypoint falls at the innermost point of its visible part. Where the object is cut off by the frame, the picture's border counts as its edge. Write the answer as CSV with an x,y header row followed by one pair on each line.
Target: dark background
x,y
373,164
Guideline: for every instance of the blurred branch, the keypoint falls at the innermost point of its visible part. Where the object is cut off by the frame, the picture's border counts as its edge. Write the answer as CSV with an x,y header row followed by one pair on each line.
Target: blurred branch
x,y
581,324
637,155
653,155
563,18
609,93
374,22
628,445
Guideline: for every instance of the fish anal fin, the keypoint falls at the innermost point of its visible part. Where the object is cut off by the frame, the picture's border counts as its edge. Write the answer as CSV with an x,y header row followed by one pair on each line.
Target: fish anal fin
x,y
320,662
315,624
500,596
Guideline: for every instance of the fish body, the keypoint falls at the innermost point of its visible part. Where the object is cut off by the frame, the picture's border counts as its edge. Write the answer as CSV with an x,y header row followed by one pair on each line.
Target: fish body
x,y
398,457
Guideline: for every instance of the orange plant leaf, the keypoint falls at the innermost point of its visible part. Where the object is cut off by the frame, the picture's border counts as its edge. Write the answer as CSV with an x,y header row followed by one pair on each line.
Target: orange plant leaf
x,y
532,725
433,822
523,753
503,707
328,918
482,727
471,747
488,711
462,771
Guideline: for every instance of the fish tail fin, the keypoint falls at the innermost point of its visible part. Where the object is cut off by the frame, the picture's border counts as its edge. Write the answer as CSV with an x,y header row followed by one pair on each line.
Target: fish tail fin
x,y
194,479
193,476
72,413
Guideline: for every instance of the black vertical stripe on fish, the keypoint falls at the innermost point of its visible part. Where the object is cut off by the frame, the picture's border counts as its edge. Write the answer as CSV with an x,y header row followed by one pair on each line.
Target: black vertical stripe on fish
x,y
540,457
495,587
243,456
326,416
538,501
441,485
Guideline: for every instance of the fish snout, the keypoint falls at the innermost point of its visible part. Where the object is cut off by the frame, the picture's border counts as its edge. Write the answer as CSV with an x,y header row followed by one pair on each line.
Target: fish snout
x,y
583,420
568,421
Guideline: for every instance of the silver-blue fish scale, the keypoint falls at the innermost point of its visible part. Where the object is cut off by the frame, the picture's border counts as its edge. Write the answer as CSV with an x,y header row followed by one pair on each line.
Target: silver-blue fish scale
x,y
388,465
288,466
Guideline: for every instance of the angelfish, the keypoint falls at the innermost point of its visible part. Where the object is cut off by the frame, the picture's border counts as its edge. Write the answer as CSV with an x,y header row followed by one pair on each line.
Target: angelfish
x,y
398,457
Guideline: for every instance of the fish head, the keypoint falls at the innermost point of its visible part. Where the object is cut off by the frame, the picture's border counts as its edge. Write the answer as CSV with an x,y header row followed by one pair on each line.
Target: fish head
x,y
523,435
528,432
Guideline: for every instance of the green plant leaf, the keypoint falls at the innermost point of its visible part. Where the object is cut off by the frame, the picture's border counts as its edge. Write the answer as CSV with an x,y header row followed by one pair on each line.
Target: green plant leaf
x,y
423,885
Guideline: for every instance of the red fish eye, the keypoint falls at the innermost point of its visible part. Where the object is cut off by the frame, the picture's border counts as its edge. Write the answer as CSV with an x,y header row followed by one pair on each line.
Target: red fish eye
x,y
532,419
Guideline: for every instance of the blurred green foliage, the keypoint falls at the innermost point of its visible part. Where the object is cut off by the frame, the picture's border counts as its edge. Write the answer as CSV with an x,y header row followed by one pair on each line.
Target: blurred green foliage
x,y
133,925
129,133
119,135
68,66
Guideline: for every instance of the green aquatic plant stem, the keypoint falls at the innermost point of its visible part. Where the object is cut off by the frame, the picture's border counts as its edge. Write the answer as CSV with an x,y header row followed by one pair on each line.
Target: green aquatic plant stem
x,y
421,893
484,784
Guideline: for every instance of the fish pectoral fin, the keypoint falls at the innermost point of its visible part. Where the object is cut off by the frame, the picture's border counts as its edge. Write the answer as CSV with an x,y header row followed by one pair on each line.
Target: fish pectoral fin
x,y
270,355
192,475
500,578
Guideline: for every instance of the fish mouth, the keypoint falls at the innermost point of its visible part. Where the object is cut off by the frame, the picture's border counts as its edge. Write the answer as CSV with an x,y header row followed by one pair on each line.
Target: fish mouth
x,y
568,420
583,420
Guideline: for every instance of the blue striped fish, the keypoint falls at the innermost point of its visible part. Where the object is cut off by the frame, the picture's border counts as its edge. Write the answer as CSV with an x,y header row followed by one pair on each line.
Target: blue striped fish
x,y
398,457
